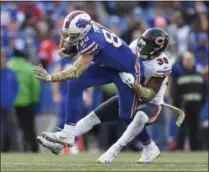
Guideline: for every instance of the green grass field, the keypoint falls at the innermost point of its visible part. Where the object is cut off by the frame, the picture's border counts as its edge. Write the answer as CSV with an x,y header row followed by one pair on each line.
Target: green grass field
x,y
178,161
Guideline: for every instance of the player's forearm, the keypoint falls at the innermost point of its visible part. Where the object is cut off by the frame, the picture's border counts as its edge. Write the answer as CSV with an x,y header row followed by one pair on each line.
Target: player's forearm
x,y
72,73
79,66
143,93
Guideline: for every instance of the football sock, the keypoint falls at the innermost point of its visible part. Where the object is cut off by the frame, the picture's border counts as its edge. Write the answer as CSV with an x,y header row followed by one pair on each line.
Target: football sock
x,y
134,128
86,123
70,129
144,137
74,103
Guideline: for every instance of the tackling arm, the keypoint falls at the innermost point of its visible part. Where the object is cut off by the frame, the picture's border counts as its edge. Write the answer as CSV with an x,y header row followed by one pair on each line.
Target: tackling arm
x,y
148,93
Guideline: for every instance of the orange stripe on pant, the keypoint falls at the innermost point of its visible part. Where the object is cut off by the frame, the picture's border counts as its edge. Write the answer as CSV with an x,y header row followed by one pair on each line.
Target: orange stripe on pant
x,y
134,106
155,116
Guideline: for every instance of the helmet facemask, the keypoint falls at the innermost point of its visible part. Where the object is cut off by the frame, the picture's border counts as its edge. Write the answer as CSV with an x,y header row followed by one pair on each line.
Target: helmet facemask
x,y
71,39
147,49
152,43
143,48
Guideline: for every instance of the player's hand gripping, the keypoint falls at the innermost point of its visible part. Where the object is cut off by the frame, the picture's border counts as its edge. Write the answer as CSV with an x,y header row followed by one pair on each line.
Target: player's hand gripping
x,y
127,78
41,73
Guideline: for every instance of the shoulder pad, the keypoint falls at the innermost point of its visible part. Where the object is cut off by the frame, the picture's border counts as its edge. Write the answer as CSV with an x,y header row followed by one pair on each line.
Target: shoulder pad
x,y
91,44
133,46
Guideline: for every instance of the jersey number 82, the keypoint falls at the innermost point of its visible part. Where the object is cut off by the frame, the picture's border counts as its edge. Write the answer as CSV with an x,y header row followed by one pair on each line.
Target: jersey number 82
x,y
111,38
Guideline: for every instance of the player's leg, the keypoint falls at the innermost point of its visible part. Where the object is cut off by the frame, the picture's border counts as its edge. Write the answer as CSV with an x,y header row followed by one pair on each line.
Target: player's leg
x,y
150,150
127,99
146,114
193,126
107,111
62,112
94,76
128,105
89,121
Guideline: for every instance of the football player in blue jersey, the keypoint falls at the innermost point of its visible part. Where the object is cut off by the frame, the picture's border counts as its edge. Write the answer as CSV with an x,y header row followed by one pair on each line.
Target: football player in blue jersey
x,y
156,75
102,56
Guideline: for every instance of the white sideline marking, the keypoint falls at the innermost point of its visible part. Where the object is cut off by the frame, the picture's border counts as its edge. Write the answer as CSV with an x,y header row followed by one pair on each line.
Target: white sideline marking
x,y
45,164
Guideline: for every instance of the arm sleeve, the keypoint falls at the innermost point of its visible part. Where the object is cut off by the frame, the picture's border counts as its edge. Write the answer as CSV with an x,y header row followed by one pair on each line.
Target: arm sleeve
x,y
91,45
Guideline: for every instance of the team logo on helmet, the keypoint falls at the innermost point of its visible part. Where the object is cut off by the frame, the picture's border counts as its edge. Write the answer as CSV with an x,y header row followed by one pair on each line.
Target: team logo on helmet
x,y
160,40
81,23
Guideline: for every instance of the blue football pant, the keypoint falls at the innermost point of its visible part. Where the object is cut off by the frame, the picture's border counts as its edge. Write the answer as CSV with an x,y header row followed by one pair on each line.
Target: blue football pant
x,y
97,75
108,111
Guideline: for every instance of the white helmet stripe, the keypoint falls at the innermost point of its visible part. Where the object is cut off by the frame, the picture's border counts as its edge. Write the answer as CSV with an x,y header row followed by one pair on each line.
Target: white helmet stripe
x,y
71,17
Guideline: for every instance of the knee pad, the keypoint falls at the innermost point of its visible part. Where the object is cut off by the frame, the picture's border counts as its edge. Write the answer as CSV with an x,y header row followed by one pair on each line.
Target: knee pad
x,y
141,118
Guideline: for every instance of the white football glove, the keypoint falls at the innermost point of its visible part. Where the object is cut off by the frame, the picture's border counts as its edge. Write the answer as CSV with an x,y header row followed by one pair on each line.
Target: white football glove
x,y
127,78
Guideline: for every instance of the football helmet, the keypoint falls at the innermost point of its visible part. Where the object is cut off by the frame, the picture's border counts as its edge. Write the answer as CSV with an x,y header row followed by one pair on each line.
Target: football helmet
x,y
152,43
75,27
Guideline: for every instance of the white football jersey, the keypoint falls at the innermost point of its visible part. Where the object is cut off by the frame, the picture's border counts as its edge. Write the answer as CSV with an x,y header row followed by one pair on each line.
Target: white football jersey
x,y
157,67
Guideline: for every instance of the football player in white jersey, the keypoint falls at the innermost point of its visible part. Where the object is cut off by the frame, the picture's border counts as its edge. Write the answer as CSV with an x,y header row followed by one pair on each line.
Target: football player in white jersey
x,y
154,77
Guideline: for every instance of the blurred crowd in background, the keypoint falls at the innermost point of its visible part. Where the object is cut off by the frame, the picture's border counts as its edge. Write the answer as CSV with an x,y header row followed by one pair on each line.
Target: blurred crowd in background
x,y
30,33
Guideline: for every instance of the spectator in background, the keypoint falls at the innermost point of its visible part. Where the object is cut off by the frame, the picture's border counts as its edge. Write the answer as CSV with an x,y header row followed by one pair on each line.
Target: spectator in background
x,y
135,30
47,51
9,91
182,34
189,93
28,97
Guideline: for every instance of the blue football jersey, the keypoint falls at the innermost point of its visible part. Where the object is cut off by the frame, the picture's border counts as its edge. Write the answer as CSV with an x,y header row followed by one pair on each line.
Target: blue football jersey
x,y
108,49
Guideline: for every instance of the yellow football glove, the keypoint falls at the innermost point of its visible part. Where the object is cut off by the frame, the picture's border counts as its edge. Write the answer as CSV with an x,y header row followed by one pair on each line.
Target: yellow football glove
x,y
41,73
